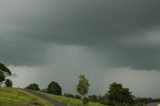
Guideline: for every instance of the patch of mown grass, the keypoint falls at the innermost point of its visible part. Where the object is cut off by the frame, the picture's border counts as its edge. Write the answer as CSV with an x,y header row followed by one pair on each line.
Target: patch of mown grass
x,y
71,101
17,97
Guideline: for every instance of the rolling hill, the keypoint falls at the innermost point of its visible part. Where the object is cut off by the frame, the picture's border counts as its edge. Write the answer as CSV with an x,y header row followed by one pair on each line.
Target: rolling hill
x,y
18,97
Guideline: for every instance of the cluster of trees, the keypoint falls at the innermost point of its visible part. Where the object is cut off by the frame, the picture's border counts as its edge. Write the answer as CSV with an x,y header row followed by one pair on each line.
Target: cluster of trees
x,y
53,88
117,95
4,72
144,101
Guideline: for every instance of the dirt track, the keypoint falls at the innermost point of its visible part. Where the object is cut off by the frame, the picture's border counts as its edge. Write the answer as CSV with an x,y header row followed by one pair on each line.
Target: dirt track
x,y
52,101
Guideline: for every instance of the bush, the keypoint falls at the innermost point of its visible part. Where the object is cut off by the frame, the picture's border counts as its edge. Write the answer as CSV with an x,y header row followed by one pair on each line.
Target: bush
x,y
85,101
8,83
33,86
54,88
92,98
77,97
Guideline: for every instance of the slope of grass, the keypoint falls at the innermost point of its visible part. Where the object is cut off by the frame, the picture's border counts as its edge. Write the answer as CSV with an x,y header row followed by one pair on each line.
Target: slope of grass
x,y
17,97
71,101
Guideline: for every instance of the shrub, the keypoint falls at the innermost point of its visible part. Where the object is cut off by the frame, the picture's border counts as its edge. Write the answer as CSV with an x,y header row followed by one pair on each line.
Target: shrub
x,y
33,86
54,88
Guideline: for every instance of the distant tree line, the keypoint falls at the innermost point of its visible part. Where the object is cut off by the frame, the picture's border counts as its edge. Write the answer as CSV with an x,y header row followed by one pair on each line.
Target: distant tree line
x,y
117,95
53,88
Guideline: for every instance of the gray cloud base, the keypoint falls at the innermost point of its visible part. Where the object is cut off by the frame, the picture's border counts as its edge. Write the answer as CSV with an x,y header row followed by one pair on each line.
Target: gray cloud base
x,y
107,26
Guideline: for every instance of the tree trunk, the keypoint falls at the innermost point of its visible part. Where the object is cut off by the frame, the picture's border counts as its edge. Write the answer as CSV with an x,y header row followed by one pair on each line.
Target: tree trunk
x,y
82,97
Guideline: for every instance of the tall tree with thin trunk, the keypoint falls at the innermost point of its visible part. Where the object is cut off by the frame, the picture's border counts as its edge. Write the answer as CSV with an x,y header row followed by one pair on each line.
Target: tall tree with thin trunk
x,y
83,86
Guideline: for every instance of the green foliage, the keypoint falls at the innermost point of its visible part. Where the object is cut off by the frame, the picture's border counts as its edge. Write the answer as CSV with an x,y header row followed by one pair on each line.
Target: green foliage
x,y
4,71
119,95
68,95
77,97
143,101
54,88
83,85
92,98
8,83
3,68
33,86
43,90
72,96
85,101
2,77
102,100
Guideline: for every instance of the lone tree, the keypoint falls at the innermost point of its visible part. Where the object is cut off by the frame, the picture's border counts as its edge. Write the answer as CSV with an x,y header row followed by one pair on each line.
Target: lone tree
x,y
33,86
8,83
54,88
4,71
119,95
83,86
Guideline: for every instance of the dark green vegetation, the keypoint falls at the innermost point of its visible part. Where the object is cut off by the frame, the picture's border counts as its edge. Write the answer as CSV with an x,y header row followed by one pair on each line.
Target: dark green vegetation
x,y
54,88
72,96
82,88
17,97
71,101
4,72
119,95
33,86
8,83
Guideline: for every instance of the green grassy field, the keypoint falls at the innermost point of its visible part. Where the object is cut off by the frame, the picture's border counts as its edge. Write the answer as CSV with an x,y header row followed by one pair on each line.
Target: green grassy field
x,y
71,101
17,97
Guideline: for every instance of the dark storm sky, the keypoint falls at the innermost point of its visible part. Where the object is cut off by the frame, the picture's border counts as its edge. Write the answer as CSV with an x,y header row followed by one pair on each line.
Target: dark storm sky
x,y
112,40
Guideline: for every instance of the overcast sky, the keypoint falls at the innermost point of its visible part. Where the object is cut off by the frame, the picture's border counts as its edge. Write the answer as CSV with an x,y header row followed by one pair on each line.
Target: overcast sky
x,y
107,40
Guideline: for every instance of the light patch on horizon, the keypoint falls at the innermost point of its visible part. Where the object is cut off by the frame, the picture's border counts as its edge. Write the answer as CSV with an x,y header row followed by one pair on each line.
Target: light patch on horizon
x,y
23,75
136,80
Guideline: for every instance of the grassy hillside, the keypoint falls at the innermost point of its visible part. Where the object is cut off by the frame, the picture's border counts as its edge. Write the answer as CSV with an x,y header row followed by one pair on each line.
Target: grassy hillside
x,y
17,97
71,101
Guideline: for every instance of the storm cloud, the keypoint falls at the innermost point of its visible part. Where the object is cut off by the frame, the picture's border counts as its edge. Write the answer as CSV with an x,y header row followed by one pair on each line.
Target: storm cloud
x,y
124,28
81,36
